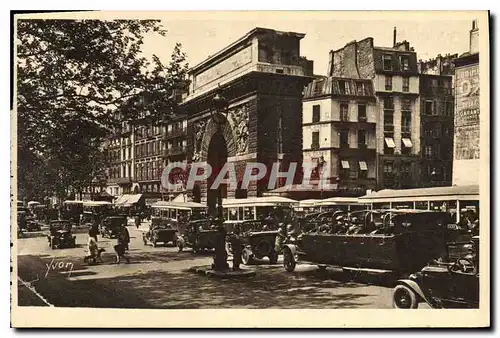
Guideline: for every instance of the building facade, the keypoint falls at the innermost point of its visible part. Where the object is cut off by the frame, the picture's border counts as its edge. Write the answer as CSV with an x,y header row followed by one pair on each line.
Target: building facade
x,y
138,155
395,78
437,113
466,136
339,131
262,77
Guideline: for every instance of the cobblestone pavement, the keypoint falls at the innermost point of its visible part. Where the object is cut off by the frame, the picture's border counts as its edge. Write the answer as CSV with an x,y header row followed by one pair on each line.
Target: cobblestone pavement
x,y
158,278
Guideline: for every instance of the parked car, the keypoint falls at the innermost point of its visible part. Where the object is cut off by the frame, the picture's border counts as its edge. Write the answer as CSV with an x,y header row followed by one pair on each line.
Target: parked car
x,y
198,235
160,233
257,241
454,285
404,242
110,226
60,235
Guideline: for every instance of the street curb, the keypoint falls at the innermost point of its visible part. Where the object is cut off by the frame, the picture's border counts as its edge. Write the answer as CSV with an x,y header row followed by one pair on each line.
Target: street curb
x,y
207,271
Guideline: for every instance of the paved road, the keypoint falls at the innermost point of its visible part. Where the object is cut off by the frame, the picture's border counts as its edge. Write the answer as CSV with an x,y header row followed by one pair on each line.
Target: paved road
x,y
158,278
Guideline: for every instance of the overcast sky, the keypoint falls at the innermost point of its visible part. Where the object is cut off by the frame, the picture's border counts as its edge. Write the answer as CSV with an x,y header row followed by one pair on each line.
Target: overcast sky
x,y
204,34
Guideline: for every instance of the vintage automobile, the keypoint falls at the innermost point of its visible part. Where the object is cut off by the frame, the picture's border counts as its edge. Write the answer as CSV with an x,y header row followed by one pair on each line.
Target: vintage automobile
x,y
258,241
60,235
111,225
198,234
454,285
405,241
159,233
72,211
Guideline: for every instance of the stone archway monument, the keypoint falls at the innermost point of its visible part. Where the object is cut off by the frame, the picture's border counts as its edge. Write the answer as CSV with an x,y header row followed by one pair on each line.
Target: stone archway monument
x,y
262,77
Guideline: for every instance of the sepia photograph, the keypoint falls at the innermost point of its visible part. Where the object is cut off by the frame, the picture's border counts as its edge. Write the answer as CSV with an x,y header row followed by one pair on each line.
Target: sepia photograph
x,y
250,169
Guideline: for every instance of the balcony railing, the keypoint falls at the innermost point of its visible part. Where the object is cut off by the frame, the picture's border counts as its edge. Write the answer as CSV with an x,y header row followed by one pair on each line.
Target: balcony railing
x,y
175,151
176,133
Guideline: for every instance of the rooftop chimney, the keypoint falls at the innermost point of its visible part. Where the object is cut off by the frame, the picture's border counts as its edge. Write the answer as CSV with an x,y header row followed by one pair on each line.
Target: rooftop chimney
x,y
474,38
394,38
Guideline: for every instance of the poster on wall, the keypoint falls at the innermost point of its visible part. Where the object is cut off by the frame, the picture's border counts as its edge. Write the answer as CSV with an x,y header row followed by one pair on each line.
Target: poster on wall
x,y
467,113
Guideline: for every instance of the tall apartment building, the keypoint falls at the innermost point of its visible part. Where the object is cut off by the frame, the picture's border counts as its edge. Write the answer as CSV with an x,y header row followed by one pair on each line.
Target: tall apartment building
x,y
138,155
466,137
394,73
414,114
339,130
436,115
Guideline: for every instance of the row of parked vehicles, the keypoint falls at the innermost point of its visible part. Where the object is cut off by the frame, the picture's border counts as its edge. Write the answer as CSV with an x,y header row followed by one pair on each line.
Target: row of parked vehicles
x,y
424,250
434,259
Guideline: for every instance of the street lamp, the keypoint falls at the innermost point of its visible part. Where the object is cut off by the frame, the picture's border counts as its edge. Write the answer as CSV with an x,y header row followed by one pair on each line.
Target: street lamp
x,y
220,257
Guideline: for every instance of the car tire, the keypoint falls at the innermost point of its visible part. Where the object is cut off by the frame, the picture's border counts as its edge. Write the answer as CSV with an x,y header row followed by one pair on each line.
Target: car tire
x,y
288,260
404,298
273,257
246,256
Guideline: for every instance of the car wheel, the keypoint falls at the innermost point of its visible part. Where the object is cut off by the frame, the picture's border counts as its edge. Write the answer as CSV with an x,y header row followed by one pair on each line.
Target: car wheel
x,y
404,298
246,256
273,257
288,260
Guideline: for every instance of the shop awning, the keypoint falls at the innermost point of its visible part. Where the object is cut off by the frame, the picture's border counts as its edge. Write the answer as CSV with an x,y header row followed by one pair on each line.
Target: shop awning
x,y
345,164
407,143
362,165
390,142
128,200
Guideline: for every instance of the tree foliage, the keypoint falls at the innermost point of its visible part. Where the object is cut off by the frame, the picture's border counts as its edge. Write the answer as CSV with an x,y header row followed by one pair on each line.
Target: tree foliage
x,y
77,80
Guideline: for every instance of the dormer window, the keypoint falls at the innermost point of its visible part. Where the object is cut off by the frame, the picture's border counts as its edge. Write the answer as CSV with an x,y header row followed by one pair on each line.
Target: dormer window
x,y
342,86
387,61
405,62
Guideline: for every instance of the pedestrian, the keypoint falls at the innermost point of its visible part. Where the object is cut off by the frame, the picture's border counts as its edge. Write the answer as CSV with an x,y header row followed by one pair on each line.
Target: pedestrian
x,y
237,248
94,231
123,241
137,221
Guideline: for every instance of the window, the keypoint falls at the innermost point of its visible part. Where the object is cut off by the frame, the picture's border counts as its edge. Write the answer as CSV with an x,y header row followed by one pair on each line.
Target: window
x,y
406,146
388,103
342,87
406,122
406,84
406,105
318,86
388,82
389,145
360,88
361,112
387,61
344,138
316,113
361,138
363,170
449,108
315,140
344,112
388,121
388,167
405,62
429,108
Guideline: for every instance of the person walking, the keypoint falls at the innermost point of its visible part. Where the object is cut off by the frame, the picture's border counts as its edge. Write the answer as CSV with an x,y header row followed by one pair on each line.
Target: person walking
x,y
123,241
